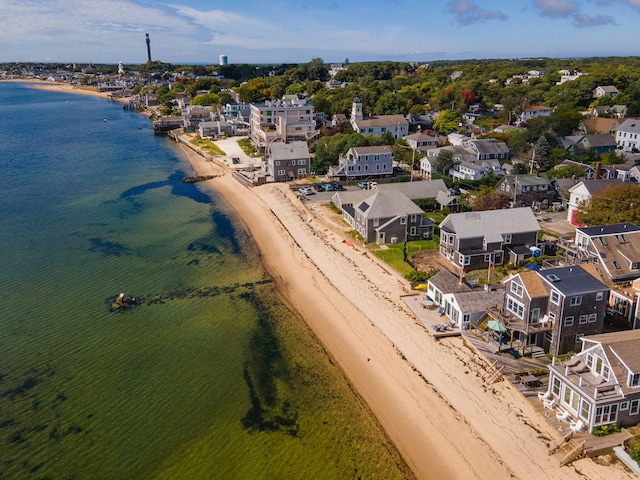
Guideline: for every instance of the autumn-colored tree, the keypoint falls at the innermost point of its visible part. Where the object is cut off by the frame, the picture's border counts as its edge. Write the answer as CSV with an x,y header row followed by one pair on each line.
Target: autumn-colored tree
x,y
616,204
489,199
467,96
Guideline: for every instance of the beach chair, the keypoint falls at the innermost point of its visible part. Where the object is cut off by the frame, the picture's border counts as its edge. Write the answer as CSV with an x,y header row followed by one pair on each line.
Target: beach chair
x,y
576,426
544,395
562,416
550,403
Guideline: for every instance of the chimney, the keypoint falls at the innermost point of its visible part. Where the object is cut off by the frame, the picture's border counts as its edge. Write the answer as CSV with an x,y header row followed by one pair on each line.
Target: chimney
x,y
598,167
462,276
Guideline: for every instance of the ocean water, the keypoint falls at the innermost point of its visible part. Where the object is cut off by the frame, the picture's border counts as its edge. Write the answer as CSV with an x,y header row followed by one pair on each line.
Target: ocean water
x,y
210,375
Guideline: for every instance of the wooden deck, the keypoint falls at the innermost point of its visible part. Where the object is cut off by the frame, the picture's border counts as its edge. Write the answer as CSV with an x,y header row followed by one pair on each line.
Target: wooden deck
x,y
427,313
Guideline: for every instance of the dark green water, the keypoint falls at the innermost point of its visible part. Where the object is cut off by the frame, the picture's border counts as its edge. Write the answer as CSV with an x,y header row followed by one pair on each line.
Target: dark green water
x,y
211,376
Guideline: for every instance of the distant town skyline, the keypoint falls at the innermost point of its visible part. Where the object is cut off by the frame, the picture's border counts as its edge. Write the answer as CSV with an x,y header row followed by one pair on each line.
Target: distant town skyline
x,y
287,31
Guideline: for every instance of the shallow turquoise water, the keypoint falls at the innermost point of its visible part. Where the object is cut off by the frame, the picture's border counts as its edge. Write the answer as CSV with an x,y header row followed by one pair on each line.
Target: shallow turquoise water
x,y
211,376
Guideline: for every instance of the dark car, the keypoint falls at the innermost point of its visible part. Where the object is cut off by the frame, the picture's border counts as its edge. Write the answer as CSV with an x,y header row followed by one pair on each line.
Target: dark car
x,y
318,187
337,186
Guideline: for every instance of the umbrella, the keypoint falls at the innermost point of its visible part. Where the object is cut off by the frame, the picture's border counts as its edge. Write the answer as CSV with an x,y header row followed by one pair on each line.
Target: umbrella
x,y
496,325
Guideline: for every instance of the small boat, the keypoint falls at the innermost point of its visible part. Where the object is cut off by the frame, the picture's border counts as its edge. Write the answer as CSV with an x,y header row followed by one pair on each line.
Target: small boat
x,y
104,119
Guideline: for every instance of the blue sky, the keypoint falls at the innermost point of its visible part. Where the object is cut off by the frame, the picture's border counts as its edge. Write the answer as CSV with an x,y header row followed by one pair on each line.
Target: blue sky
x,y
295,31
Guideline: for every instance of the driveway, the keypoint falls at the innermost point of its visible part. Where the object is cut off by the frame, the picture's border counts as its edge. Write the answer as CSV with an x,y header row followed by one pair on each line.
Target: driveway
x,y
232,150
556,222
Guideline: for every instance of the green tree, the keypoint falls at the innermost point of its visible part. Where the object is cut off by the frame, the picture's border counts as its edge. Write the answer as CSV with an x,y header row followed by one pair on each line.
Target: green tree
x,y
615,204
447,121
206,99
444,161
489,199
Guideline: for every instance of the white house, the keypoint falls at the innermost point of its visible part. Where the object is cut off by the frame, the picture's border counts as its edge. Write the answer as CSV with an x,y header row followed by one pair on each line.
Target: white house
x,y
377,125
364,162
627,135
582,192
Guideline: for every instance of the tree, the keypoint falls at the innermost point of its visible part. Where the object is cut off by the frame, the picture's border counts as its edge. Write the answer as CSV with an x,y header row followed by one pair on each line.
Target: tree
x,y
616,204
206,99
489,199
444,161
543,151
447,121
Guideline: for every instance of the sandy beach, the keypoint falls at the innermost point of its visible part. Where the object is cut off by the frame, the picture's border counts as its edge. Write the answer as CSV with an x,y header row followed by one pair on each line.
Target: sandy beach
x,y
427,394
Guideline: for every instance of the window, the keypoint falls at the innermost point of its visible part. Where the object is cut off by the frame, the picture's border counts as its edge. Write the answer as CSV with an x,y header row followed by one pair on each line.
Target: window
x,y
634,379
555,297
535,316
593,317
516,288
302,171
624,406
616,264
603,241
414,218
403,220
577,300
376,222
589,361
571,399
585,408
515,307
487,257
278,163
412,231
568,321
302,162
634,407
506,238
555,386
583,319
281,172
599,296
465,260
606,414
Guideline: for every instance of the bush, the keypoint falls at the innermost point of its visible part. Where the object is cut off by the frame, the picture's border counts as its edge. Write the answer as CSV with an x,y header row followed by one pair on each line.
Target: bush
x,y
603,430
420,276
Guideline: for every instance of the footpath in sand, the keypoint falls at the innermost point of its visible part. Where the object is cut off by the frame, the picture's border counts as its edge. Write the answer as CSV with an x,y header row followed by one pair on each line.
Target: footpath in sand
x,y
427,394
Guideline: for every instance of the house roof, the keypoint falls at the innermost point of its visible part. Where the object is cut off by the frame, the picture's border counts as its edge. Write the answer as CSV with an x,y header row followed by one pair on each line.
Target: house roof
x,y
412,190
601,140
571,280
533,284
289,151
487,147
491,224
624,345
617,247
600,124
388,204
594,187
447,282
370,150
527,180
476,300
421,137
607,88
382,121
630,125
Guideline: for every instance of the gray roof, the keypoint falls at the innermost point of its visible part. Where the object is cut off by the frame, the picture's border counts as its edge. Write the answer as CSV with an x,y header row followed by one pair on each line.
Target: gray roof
x,y
486,147
382,121
629,125
447,282
491,224
571,280
289,151
476,300
596,186
372,149
527,180
624,344
609,229
388,204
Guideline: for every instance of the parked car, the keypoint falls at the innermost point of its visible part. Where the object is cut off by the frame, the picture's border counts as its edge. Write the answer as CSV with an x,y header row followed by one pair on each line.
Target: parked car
x,y
363,185
318,187
337,186
327,187
306,190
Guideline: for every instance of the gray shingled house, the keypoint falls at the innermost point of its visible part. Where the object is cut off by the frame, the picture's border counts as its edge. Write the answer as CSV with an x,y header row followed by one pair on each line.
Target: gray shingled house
x,y
476,240
287,161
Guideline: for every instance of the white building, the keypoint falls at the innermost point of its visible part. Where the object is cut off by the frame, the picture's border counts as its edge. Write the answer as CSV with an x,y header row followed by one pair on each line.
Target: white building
x,y
287,120
377,125
627,135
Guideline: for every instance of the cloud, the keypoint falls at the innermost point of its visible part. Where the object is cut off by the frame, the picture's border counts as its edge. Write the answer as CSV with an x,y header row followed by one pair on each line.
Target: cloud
x,y
556,8
580,20
467,13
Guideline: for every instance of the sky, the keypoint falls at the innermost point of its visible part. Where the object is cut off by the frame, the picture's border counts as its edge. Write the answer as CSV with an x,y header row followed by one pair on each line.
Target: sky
x,y
296,31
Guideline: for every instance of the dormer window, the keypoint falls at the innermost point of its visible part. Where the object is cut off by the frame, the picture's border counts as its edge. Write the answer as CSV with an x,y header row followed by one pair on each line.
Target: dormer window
x,y
634,379
506,238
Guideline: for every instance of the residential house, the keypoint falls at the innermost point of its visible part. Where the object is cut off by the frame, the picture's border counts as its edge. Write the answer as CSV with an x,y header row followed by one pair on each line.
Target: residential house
x,y
615,111
589,171
599,125
378,125
628,135
472,159
421,141
535,191
476,240
605,91
287,120
582,192
434,190
569,75
614,253
600,385
361,162
581,144
553,308
464,307
388,217
214,128
287,161
529,112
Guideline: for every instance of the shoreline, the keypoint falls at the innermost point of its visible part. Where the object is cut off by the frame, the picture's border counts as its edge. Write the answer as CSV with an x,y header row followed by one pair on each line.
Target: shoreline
x,y
427,395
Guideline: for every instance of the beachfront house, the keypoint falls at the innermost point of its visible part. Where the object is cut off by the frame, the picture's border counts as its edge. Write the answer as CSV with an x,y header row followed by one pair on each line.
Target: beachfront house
x,y
600,385
387,217
552,308
477,240
363,162
287,161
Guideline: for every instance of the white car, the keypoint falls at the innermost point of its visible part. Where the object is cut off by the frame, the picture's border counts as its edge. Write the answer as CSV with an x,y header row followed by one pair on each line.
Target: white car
x,y
306,190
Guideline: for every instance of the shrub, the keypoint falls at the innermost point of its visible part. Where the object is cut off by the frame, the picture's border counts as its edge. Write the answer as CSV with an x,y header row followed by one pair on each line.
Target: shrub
x,y
420,276
603,430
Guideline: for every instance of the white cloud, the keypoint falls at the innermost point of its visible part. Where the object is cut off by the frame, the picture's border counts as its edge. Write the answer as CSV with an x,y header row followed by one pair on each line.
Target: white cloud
x,y
556,8
467,13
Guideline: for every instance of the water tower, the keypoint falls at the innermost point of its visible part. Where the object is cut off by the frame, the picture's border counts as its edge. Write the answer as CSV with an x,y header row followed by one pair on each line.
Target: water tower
x,y
223,60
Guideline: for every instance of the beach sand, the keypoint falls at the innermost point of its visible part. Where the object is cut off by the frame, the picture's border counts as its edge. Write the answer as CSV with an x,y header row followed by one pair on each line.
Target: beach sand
x,y
428,395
